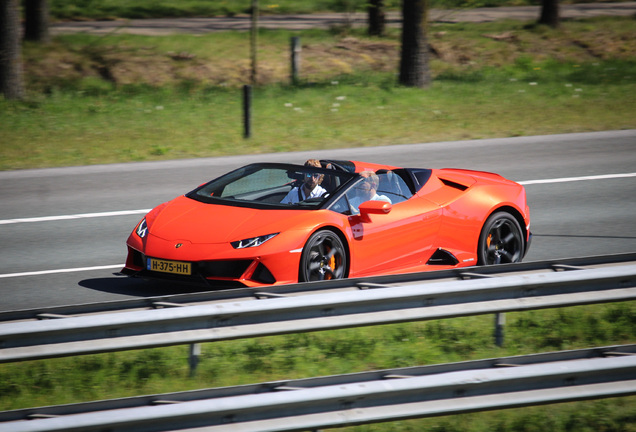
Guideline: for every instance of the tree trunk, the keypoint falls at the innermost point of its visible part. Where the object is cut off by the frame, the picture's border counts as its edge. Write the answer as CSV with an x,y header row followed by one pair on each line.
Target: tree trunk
x,y
36,21
377,18
11,80
550,13
414,68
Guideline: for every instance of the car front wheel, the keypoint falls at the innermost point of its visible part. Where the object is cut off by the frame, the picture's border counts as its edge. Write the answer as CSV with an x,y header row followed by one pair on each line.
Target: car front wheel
x,y
501,240
324,257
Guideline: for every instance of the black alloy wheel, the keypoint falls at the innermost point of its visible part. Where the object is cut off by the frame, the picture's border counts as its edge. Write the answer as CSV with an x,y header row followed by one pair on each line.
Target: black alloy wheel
x,y
324,257
501,240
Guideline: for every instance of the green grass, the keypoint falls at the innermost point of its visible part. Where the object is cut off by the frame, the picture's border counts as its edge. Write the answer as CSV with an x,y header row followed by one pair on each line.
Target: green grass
x,y
96,125
83,378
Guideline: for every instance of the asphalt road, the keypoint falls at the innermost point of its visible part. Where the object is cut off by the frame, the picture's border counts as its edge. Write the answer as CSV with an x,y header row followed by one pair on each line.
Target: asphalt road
x,y
56,222
166,26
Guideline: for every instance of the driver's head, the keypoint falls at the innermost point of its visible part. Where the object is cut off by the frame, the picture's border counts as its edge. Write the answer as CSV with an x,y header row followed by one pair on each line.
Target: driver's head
x,y
311,180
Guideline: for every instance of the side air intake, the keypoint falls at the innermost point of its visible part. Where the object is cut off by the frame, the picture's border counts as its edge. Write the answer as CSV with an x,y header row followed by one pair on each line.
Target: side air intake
x,y
443,257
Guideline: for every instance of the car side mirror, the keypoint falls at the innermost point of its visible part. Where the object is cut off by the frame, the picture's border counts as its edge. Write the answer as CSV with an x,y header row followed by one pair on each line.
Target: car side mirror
x,y
373,207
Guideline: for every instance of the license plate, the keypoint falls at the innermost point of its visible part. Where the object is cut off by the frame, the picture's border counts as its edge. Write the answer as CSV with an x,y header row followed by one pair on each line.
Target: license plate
x,y
174,267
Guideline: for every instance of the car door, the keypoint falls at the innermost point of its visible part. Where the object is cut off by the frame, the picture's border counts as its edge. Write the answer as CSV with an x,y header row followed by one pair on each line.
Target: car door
x,y
400,240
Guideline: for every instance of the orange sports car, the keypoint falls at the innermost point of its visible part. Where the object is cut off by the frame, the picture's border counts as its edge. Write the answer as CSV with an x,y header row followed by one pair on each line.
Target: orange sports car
x,y
266,224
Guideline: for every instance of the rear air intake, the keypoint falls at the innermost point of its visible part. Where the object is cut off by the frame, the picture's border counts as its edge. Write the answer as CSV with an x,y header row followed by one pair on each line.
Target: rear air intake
x,y
453,184
443,257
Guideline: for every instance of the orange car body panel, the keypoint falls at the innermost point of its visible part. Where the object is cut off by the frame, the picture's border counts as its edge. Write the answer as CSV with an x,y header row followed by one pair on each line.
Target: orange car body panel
x,y
447,212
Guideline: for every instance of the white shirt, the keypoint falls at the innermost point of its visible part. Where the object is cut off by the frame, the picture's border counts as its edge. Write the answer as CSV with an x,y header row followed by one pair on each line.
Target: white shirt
x,y
293,195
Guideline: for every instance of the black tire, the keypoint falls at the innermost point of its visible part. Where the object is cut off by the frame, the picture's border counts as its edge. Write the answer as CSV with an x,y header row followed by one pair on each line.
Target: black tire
x,y
324,257
501,240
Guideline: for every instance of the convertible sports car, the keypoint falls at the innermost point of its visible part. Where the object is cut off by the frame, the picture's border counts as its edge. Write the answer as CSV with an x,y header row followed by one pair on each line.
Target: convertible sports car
x,y
266,224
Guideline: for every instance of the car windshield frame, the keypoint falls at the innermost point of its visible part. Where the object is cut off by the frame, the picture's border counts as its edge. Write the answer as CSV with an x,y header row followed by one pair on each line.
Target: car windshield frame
x,y
264,185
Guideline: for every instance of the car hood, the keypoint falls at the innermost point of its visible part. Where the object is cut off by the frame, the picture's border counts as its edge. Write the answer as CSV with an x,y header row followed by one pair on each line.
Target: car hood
x,y
197,222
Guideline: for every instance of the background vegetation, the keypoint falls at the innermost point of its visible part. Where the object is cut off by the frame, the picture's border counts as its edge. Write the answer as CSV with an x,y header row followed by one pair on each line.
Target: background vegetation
x,y
102,99
109,9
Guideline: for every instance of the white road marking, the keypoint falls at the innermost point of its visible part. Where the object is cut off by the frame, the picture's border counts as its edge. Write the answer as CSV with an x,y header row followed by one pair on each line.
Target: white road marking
x,y
143,211
70,270
574,179
74,216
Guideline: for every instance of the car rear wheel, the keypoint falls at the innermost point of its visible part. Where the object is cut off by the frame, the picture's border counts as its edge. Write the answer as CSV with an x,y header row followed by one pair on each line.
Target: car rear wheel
x,y
501,240
324,257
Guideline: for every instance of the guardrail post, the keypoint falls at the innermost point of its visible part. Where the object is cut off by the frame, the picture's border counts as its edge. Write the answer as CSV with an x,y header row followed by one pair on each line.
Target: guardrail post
x,y
195,352
500,322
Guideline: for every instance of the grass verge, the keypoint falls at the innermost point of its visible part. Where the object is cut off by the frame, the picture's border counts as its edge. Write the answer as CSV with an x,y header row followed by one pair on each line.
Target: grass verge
x,y
65,130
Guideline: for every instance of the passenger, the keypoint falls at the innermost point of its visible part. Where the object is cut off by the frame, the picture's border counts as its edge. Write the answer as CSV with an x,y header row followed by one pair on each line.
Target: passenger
x,y
367,190
309,189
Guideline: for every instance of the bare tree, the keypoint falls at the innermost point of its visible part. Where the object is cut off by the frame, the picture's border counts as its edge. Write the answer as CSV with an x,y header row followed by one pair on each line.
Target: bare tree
x,y
550,13
11,79
377,17
414,67
254,13
36,21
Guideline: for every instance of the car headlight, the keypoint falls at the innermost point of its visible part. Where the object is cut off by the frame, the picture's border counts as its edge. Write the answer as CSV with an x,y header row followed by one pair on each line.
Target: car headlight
x,y
252,242
142,228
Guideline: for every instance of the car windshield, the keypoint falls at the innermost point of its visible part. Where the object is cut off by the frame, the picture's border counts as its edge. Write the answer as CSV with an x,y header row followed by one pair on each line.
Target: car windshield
x,y
273,186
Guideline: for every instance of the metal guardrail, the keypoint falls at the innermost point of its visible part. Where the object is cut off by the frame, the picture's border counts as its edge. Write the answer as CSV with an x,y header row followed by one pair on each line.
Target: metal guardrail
x,y
255,294
344,400
320,311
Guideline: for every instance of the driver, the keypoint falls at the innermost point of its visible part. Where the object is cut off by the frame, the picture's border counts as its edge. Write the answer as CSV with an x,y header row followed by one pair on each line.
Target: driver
x,y
309,189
